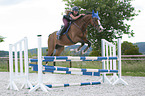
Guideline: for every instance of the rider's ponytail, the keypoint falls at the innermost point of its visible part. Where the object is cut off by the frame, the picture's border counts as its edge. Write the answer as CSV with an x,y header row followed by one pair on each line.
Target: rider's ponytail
x,y
67,12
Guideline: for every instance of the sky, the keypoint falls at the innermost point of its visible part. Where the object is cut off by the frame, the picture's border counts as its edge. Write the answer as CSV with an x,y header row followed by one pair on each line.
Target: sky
x,y
29,18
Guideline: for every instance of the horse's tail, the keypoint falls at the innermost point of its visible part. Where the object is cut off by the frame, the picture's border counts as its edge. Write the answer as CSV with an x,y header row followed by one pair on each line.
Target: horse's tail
x,y
49,35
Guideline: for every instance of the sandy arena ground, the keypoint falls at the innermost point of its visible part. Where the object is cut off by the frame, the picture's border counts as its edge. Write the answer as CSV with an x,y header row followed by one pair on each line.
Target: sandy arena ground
x,y
136,86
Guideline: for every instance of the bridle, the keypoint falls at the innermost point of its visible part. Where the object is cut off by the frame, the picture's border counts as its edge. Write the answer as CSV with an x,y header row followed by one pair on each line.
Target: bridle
x,y
95,23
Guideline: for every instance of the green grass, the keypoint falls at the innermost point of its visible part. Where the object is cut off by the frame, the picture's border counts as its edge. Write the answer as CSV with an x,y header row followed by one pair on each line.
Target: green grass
x,y
129,68
3,65
133,68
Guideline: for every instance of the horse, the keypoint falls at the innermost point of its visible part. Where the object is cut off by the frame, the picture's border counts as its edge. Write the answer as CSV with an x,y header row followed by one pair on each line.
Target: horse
x,y
76,33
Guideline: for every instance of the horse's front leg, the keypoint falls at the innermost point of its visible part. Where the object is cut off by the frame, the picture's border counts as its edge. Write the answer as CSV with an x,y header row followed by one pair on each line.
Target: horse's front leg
x,y
89,45
79,48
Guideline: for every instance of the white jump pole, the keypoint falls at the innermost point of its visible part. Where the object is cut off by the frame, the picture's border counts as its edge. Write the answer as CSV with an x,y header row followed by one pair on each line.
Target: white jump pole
x,y
114,65
27,83
103,55
40,75
119,80
12,84
104,48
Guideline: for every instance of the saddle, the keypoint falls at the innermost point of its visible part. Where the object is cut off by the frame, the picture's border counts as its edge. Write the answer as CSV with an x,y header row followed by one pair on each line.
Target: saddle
x,y
66,32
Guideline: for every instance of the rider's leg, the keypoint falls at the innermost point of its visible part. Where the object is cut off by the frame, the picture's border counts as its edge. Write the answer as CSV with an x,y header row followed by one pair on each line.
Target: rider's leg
x,y
65,21
64,28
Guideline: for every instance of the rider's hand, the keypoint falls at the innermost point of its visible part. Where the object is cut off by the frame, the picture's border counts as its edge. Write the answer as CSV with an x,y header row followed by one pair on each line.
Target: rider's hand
x,y
83,14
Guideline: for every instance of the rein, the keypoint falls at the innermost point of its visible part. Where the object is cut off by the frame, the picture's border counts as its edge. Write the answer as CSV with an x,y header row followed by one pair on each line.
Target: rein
x,y
83,31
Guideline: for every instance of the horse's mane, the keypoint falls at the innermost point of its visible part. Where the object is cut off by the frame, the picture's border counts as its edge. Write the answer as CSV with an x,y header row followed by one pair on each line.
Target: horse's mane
x,y
82,17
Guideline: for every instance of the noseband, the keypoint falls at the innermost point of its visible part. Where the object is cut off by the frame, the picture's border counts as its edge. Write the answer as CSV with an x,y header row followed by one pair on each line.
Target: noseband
x,y
95,25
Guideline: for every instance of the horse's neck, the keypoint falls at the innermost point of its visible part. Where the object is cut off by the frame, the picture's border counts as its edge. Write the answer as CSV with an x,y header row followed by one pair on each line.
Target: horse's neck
x,y
84,21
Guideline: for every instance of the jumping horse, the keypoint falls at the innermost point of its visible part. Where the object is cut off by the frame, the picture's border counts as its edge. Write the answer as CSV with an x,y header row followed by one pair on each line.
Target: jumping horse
x,y
76,33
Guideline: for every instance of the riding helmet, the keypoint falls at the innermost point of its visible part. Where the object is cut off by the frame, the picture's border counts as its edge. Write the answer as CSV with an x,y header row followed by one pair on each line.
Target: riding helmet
x,y
75,8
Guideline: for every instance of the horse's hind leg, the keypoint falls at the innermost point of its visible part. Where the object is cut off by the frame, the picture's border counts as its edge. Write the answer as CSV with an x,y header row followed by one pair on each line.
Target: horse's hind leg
x,y
50,52
51,44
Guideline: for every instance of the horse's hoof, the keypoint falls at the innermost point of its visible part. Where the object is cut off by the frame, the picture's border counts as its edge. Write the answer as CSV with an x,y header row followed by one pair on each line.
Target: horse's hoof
x,y
100,31
84,52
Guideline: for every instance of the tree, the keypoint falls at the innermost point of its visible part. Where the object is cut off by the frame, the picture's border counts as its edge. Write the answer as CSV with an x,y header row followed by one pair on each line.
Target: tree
x,y
113,14
128,48
1,39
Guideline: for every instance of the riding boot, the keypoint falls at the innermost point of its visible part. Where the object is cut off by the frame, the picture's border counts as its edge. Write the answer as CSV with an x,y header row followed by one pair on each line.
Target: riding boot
x,y
60,33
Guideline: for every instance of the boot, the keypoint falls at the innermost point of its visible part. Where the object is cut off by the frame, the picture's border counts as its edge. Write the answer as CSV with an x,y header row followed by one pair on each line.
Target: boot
x,y
60,33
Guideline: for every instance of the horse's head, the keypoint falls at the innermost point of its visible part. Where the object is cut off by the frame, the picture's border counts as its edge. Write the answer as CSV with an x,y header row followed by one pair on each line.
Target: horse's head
x,y
96,21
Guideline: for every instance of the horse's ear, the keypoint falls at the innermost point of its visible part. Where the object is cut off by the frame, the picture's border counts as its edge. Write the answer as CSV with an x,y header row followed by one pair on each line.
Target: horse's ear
x,y
93,12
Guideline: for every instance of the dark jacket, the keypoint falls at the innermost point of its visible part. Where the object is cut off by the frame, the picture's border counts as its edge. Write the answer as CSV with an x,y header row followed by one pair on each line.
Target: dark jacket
x,y
68,16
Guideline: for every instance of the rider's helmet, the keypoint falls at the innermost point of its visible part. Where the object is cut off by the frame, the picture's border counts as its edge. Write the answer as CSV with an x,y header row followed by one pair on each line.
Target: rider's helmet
x,y
75,9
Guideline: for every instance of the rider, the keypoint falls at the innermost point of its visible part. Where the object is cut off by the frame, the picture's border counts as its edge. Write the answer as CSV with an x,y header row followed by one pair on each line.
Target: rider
x,y
67,18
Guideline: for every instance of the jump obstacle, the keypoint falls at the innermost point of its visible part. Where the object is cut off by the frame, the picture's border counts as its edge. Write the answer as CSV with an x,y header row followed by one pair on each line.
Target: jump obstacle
x,y
15,74
108,66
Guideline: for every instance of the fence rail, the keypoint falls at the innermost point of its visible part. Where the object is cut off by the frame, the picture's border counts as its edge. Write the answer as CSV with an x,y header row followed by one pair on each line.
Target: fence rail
x,y
123,58
132,56
4,57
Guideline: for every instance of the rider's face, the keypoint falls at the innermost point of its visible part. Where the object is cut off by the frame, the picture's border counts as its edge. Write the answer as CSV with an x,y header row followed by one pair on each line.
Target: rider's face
x,y
75,12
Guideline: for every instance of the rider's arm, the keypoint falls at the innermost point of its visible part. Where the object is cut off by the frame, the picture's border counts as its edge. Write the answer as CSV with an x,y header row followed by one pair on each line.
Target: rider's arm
x,y
75,17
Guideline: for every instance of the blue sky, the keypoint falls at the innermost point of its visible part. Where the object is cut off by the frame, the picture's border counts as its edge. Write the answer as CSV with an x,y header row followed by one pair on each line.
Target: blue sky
x,y
29,18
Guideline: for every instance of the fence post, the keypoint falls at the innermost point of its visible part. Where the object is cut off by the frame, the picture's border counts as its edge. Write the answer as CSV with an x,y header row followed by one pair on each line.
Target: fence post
x,y
12,84
119,80
103,55
27,83
40,75
104,46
